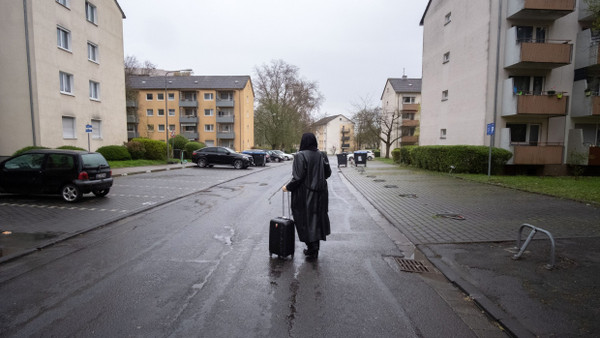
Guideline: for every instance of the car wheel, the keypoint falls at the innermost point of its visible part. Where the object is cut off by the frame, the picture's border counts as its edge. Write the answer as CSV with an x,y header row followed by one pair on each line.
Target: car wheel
x,y
202,162
101,193
277,159
70,193
238,164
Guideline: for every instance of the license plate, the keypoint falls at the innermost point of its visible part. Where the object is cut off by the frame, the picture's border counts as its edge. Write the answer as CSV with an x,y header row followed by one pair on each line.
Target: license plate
x,y
101,175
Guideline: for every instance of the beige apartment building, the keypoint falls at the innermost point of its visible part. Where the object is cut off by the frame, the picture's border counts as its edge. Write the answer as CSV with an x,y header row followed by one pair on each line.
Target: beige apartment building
x,y
62,70
214,110
400,103
335,134
529,68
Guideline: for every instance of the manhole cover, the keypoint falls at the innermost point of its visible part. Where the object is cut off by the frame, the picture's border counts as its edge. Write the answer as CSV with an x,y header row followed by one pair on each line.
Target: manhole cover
x,y
379,180
371,176
408,195
410,265
390,186
451,216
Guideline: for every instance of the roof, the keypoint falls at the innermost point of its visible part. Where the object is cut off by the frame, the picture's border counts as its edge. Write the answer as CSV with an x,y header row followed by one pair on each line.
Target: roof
x,y
189,82
328,119
119,6
404,85
424,13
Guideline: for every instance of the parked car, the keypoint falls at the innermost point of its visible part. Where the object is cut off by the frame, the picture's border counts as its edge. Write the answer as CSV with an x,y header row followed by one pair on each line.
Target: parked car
x,y
69,173
370,155
275,156
285,156
210,156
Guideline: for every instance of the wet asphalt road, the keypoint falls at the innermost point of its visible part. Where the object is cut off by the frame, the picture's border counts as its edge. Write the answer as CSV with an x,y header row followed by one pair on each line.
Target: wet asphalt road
x,y
199,266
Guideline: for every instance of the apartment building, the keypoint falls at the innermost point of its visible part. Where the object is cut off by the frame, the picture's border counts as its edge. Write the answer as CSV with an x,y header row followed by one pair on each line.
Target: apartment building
x,y
400,102
335,134
62,71
512,73
214,110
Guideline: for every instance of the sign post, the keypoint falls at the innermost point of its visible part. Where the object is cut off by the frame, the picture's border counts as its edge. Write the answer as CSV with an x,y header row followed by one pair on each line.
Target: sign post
x,y
491,129
88,130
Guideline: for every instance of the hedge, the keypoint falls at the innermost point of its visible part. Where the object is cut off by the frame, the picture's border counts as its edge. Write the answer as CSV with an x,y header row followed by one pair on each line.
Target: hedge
x,y
71,148
405,154
396,155
464,159
136,149
178,142
22,150
155,150
190,147
115,153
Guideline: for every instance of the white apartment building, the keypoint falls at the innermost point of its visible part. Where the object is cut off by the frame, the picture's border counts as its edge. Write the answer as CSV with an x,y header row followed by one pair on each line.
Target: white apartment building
x,y
62,69
400,102
521,65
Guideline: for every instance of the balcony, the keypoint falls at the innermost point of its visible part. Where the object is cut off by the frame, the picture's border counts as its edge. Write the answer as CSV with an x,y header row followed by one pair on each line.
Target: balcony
x,y
594,156
190,135
188,119
132,118
132,134
539,9
226,135
188,103
544,105
587,53
536,55
224,103
132,103
225,118
410,107
409,139
345,145
538,155
584,103
410,123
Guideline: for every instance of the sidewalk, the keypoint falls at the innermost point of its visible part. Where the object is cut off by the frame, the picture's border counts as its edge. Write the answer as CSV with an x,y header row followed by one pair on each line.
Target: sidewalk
x,y
148,169
469,230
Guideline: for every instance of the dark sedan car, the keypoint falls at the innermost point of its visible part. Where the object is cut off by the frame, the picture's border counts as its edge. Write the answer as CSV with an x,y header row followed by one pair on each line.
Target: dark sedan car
x,y
210,156
50,171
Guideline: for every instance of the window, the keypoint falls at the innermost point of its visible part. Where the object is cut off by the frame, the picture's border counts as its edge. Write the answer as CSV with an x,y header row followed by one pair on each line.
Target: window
x,y
94,90
171,112
531,34
208,96
96,129
63,38
171,127
448,18
524,133
209,127
66,83
149,112
68,124
171,96
409,99
149,97
32,161
408,116
161,112
528,85
151,127
444,95
161,128
92,52
90,13
442,133
160,97
446,57
208,112
63,2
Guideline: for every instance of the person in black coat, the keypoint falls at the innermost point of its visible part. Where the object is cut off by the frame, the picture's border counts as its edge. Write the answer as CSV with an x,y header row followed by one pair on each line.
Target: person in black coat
x,y
310,198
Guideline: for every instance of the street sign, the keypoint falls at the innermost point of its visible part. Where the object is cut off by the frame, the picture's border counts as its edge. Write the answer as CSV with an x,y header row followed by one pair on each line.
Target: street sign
x,y
491,128
88,128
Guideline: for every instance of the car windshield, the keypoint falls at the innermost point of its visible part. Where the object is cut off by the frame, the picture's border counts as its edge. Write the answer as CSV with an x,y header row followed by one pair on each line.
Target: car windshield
x,y
94,160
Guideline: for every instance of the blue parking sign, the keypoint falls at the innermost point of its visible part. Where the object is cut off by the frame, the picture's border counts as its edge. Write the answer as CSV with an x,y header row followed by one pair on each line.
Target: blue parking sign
x,y
88,128
491,128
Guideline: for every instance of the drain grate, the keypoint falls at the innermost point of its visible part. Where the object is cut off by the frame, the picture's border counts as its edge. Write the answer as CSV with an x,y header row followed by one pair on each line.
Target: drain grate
x,y
452,216
378,180
408,195
410,265
390,186
371,176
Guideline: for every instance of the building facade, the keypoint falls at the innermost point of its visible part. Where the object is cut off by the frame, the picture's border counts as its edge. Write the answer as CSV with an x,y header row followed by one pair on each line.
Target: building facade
x,y
214,110
335,134
517,68
400,104
62,70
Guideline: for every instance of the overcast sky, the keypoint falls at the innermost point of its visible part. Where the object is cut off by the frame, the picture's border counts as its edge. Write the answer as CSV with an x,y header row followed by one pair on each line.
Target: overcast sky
x,y
349,47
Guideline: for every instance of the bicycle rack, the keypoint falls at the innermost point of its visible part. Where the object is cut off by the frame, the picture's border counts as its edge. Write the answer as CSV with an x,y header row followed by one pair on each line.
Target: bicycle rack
x,y
534,230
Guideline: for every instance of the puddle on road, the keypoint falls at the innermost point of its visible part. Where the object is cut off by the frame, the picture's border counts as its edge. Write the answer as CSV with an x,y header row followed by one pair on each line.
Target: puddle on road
x,y
14,242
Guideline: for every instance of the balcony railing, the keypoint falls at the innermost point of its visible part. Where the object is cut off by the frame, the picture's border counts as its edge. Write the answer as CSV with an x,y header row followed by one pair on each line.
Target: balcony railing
x,y
537,155
409,139
587,54
132,103
132,134
410,107
225,103
548,54
410,123
190,135
132,119
529,104
225,118
584,102
226,135
539,9
188,103
188,119
594,156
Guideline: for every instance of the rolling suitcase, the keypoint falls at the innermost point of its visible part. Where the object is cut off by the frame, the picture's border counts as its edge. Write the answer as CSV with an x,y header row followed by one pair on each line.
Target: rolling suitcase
x,y
282,236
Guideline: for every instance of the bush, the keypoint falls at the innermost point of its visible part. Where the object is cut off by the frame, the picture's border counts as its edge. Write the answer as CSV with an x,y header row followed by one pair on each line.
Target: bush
x,y
396,155
191,146
136,149
155,150
115,153
178,142
464,159
377,152
22,150
71,148
405,154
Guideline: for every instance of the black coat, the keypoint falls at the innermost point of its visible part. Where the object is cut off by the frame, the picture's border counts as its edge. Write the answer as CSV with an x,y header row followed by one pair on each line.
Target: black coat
x,y
310,198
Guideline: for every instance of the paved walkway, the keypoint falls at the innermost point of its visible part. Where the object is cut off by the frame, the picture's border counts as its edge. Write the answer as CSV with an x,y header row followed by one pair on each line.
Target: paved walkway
x,y
469,230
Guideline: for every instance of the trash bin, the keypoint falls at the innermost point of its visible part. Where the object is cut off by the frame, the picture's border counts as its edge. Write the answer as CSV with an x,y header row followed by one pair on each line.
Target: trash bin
x,y
342,159
259,158
360,157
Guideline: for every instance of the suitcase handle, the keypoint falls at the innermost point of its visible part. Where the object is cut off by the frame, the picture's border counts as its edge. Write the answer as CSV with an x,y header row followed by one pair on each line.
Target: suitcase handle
x,y
283,205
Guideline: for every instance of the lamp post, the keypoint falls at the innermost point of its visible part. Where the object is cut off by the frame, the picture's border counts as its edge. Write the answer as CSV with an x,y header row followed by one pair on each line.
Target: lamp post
x,y
166,108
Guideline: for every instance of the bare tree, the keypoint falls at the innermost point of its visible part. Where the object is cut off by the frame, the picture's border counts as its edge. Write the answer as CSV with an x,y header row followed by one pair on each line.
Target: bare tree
x,y
367,129
285,104
389,124
134,67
